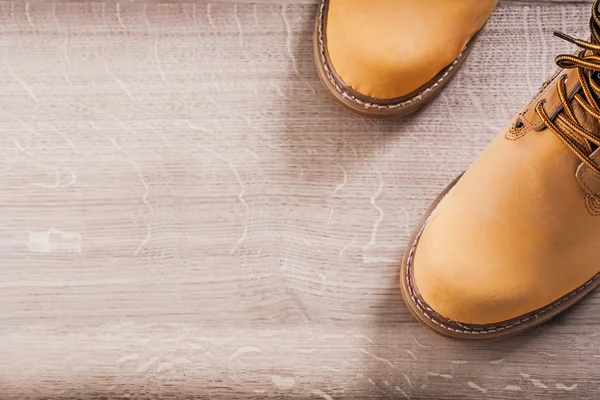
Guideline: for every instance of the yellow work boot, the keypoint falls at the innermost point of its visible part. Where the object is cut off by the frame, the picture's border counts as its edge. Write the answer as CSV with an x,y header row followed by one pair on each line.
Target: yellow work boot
x,y
387,57
514,241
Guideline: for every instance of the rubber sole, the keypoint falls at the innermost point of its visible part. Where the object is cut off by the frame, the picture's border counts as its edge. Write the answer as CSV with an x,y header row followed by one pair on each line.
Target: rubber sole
x,y
457,330
372,107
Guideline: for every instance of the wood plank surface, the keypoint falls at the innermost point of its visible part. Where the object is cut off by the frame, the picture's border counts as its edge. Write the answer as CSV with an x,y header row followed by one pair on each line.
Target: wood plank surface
x,y
186,214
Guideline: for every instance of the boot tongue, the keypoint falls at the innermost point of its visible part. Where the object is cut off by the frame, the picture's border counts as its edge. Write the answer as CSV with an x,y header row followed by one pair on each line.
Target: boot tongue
x,y
584,119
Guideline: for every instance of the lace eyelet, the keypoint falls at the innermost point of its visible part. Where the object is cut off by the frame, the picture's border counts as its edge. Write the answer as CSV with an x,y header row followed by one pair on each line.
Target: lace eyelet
x,y
518,124
541,103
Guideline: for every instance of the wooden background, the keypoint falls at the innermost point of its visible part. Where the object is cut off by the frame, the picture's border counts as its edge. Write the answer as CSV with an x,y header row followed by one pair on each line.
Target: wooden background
x,y
184,213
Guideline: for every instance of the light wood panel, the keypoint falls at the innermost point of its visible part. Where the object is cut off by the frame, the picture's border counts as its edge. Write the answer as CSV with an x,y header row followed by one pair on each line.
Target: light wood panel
x,y
186,214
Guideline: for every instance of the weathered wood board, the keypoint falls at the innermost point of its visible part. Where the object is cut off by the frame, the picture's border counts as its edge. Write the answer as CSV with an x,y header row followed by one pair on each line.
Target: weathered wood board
x,y
184,212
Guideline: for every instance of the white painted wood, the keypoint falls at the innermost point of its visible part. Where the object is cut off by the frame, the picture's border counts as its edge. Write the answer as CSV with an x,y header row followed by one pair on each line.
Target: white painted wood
x,y
289,2
186,214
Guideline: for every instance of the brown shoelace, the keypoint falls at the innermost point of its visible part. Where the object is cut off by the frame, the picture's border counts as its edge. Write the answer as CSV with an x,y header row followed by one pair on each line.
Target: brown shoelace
x,y
587,61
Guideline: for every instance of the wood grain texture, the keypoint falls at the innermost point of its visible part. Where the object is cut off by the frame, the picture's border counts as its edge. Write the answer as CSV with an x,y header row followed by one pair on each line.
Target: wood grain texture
x,y
505,3
186,214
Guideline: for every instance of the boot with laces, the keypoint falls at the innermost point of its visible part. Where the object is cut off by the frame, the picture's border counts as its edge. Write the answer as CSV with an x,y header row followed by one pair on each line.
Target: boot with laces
x,y
513,241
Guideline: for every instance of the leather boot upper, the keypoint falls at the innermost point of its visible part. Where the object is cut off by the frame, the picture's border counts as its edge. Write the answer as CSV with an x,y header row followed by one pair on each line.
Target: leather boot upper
x,y
388,49
521,228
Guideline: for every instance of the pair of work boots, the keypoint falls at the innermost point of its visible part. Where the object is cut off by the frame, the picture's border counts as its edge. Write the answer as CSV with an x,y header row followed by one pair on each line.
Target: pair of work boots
x,y
513,241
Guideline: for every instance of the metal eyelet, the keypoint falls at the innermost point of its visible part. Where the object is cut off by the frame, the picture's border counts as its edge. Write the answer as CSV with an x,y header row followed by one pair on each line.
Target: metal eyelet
x,y
542,102
518,124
